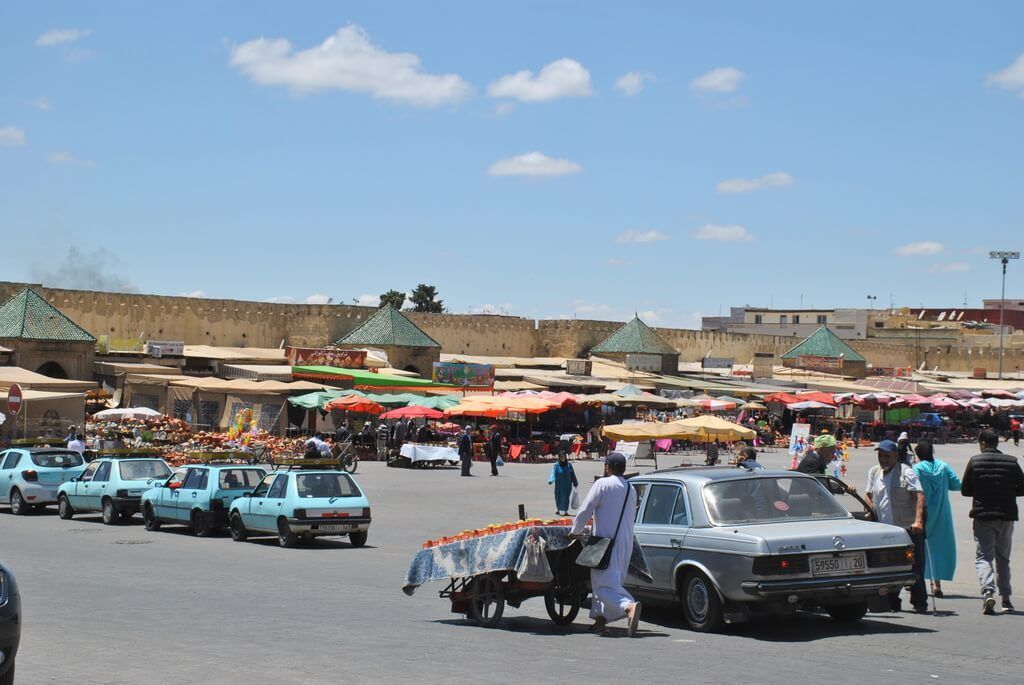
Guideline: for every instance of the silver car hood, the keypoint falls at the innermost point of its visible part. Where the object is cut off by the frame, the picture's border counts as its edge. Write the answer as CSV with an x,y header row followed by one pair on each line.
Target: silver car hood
x,y
827,535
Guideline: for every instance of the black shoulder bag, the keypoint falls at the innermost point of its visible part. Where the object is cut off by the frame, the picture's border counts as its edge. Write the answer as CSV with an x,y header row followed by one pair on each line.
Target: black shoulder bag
x,y
597,551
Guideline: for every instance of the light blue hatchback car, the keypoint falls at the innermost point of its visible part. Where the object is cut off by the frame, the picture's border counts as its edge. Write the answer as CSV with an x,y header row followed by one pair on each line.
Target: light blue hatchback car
x,y
199,496
298,505
30,476
113,486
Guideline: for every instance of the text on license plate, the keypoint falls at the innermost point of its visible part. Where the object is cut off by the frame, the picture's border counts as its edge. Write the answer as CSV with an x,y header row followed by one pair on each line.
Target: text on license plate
x,y
828,565
336,528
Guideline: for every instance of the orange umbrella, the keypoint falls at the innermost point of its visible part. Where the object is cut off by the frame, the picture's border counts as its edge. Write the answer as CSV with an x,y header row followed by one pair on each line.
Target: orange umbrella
x,y
412,411
354,403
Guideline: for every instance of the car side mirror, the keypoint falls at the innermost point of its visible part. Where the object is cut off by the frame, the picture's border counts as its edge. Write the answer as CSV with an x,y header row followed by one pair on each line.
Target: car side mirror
x,y
246,494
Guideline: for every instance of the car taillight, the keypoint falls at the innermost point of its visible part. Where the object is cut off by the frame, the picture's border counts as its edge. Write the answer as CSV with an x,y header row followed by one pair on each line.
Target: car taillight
x,y
366,512
780,565
892,556
30,475
300,513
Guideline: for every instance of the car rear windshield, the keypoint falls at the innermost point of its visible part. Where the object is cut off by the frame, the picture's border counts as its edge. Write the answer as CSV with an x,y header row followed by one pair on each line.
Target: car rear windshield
x,y
326,485
57,460
240,479
770,500
143,470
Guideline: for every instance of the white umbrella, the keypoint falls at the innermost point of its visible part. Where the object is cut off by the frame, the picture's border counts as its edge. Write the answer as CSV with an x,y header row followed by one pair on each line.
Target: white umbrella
x,y
126,413
809,404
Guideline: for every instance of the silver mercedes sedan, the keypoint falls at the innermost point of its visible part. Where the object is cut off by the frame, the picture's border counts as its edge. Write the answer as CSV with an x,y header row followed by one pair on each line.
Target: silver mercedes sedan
x,y
725,544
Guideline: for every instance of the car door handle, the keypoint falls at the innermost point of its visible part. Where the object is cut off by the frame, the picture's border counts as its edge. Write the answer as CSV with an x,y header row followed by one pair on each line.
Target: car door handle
x,y
676,542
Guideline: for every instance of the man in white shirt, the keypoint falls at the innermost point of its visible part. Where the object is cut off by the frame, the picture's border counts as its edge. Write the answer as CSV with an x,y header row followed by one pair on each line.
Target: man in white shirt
x,y
611,503
75,443
894,492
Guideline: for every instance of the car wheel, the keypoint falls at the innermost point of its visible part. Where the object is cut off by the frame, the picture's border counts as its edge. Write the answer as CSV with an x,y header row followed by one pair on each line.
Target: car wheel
x,y
64,509
358,539
18,506
848,613
8,678
702,607
285,536
199,525
149,518
238,532
110,515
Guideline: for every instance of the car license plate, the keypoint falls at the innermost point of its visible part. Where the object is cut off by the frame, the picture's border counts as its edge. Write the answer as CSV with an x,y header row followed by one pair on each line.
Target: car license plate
x,y
829,565
336,528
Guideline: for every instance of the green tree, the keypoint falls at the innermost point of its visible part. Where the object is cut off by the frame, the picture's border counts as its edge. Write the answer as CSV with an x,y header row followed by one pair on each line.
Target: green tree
x,y
395,298
424,299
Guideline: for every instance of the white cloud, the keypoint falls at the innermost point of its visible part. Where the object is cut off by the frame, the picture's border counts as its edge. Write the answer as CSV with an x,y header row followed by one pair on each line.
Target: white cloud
x,y
778,179
367,300
12,136
633,82
952,267
318,298
632,236
61,37
504,108
923,247
719,80
281,299
615,261
723,232
42,103
194,293
533,164
347,61
502,309
649,316
562,78
65,158
1010,78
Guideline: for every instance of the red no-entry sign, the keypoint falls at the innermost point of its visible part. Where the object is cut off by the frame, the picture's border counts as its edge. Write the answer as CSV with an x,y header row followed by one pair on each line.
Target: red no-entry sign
x,y
15,399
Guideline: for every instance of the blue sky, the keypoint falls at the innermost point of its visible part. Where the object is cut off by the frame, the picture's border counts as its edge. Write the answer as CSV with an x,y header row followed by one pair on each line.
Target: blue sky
x,y
761,153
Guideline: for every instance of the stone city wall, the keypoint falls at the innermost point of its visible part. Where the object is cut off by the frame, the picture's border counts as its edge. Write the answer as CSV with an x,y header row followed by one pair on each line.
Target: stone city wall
x,y
263,324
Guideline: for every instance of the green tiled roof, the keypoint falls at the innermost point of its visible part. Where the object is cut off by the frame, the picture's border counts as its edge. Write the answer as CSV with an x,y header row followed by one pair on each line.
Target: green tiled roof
x,y
389,327
30,317
824,343
635,337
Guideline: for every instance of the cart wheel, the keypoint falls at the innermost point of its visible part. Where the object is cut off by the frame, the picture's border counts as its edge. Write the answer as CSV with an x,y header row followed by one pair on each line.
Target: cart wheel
x,y
562,606
487,600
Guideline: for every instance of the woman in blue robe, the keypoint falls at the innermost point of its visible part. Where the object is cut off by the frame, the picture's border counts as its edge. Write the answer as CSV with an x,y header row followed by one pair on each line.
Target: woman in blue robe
x,y
564,479
937,480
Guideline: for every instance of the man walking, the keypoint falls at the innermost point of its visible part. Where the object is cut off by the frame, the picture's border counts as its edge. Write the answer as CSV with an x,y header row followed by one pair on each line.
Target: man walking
x,y
611,503
494,449
895,494
1015,430
995,481
466,450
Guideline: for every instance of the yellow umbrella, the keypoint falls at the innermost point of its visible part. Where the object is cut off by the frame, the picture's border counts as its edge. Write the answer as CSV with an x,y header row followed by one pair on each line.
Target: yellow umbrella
x,y
707,428
646,430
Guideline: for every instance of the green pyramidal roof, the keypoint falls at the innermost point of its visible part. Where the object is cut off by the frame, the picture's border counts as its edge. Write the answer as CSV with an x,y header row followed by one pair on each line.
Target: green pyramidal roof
x,y
30,317
389,327
824,343
635,337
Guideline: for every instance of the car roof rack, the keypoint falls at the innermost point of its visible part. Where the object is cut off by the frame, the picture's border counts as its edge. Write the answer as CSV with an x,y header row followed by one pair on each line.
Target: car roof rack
x,y
301,464
234,458
128,453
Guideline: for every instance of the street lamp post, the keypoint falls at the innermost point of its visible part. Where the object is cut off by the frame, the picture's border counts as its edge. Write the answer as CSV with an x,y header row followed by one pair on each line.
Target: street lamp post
x,y
1003,257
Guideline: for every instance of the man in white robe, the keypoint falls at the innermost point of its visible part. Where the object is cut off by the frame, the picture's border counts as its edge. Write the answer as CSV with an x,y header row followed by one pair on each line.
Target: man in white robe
x,y
604,505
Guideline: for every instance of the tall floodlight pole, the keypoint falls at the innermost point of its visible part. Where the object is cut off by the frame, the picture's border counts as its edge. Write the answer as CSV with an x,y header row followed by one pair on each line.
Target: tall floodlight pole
x,y
1004,258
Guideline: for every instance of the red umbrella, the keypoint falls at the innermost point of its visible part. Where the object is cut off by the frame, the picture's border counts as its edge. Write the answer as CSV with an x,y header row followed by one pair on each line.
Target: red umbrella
x,y
413,412
354,403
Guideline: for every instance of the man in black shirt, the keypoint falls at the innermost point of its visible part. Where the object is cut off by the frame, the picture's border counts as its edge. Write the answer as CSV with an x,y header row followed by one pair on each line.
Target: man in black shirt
x,y
995,481
818,459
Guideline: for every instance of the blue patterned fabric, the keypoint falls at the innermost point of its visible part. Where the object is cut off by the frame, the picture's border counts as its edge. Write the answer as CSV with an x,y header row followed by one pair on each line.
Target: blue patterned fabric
x,y
497,552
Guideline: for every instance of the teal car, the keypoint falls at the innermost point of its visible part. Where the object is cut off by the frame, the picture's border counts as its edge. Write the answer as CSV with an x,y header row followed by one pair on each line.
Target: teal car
x,y
199,496
112,486
303,505
29,477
